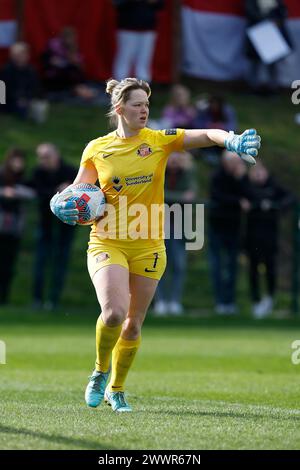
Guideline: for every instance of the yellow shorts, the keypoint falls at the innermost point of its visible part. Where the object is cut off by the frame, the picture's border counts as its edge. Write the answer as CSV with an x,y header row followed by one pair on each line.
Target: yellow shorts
x,y
148,262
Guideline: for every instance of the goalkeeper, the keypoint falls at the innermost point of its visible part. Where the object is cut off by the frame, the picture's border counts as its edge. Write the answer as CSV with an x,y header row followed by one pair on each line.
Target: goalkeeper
x,y
125,269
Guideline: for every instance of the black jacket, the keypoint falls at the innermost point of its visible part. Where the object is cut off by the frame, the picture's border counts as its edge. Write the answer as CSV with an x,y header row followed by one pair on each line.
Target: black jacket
x,y
12,213
262,225
255,14
46,183
21,84
137,15
226,192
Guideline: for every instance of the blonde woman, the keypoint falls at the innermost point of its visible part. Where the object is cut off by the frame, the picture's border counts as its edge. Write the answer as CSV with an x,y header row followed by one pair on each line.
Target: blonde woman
x,y
130,164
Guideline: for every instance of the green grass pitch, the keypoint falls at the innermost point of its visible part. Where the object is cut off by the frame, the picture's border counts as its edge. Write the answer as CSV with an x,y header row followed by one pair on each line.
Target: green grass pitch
x,y
196,384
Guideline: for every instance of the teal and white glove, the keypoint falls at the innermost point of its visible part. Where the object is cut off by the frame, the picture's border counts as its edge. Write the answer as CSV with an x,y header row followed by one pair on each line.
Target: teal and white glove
x,y
245,145
65,210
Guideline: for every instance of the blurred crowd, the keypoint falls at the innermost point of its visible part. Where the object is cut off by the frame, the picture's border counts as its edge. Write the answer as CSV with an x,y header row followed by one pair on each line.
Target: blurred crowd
x,y
60,78
53,239
59,72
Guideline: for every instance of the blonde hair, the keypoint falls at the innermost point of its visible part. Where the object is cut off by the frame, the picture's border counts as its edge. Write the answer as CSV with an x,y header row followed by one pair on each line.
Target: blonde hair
x,y
120,93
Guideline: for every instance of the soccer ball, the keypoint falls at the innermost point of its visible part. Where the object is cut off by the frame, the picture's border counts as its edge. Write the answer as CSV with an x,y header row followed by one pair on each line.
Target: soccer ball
x,y
89,199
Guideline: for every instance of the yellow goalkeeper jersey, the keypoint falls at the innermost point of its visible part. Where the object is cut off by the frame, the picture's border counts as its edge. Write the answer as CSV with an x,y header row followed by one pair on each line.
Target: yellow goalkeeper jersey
x,y
131,174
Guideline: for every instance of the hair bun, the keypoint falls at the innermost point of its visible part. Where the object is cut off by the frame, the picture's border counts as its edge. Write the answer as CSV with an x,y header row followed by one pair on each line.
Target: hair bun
x,y
110,86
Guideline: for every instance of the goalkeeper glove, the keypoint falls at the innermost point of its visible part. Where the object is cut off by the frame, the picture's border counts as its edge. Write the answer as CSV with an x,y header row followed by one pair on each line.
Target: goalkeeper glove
x,y
245,145
65,210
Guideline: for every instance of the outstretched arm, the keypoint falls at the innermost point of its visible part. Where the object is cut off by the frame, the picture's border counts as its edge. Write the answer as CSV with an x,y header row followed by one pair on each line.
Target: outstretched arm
x,y
245,145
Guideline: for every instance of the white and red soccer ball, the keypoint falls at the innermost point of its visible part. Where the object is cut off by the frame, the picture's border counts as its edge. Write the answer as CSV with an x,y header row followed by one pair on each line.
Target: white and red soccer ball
x,y
89,200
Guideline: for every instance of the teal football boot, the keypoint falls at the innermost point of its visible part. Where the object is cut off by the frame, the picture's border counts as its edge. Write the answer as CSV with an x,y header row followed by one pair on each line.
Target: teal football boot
x,y
95,389
117,401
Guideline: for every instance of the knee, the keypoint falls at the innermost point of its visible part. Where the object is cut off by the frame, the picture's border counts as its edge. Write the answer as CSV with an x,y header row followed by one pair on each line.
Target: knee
x,y
132,328
114,315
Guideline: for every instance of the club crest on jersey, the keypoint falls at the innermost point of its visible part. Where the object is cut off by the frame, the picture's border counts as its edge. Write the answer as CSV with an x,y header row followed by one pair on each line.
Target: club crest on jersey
x,y
144,150
116,180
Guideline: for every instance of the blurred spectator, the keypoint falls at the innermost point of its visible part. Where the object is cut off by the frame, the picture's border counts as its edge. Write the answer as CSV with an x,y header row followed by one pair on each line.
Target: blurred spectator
x,y
214,113
63,73
229,193
262,233
13,194
136,36
21,79
54,238
263,77
180,112
180,187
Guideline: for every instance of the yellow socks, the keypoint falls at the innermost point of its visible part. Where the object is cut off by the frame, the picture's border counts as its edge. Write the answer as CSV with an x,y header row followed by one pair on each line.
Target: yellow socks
x,y
123,351
122,357
106,338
